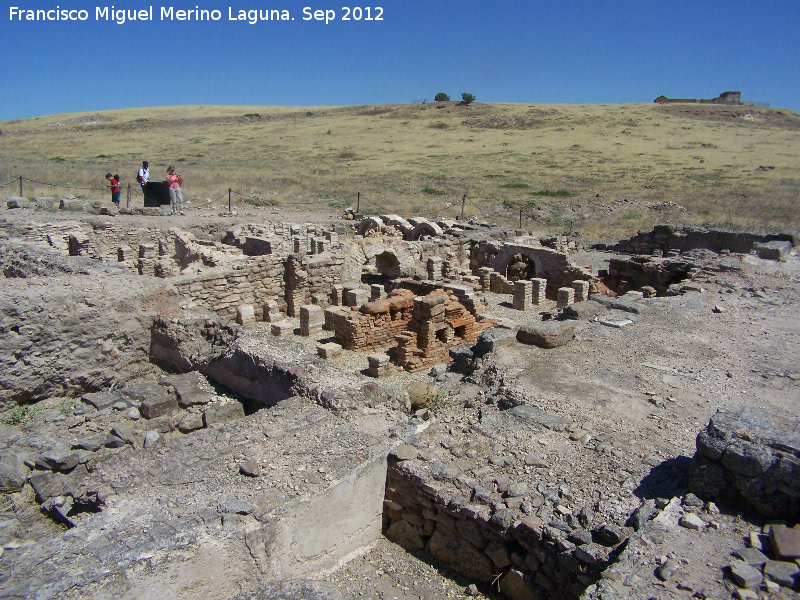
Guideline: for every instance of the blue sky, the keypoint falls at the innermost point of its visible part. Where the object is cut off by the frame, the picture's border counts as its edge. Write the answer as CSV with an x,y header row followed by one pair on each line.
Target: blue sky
x,y
514,51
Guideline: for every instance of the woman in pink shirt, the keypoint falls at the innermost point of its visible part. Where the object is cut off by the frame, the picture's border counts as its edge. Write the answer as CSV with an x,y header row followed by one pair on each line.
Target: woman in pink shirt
x,y
175,197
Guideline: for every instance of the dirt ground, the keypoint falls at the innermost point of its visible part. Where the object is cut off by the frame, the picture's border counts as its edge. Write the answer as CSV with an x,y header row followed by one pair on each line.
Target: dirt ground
x,y
651,384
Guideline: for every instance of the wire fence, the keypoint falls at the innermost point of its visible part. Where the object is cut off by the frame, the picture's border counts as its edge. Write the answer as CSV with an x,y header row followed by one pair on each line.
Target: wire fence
x,y
370,206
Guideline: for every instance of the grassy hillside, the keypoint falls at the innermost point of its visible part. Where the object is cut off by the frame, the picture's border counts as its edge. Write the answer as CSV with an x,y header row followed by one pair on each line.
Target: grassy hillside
x,y
604,169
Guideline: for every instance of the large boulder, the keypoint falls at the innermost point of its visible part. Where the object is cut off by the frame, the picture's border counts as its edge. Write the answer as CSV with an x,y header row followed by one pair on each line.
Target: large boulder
x,y
547,334
747,456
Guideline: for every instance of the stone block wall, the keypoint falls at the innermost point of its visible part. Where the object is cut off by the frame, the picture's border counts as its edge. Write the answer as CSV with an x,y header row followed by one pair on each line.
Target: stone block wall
x,y
253,282
310,279
528,558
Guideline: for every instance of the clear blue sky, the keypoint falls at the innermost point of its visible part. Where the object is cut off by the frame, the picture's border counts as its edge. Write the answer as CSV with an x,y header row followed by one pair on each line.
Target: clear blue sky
x,y
513,51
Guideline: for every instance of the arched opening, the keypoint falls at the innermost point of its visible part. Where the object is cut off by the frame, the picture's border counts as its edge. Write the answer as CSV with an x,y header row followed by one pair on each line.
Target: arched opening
x,y
385,267
520,267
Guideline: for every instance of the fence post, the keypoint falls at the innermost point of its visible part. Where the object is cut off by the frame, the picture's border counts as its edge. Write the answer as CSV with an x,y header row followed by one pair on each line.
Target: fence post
x,y
229,201
463,202
20,185
128,203
520,217
358,200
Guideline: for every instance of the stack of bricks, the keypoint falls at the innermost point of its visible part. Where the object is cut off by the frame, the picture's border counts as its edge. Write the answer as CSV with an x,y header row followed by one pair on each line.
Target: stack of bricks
x,y
440,322
329,350
311,320
581,290
485,274
126,255
523,294
379,365
538,291
272,311
147,258
254,246
566,296
435,265
500,285
297,245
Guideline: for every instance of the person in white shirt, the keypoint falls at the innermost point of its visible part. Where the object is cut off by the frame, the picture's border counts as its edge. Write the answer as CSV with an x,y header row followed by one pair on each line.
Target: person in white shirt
x,y
143,174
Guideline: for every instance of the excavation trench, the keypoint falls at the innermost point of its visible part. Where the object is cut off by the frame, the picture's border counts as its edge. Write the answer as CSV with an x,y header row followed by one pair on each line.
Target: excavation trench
x,y
433,512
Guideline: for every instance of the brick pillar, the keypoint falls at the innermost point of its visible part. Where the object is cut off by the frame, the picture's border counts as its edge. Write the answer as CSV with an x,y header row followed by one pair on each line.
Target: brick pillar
x,y
311,319
538,291
375,291
435,269
523,291
337,295
581,290
566,296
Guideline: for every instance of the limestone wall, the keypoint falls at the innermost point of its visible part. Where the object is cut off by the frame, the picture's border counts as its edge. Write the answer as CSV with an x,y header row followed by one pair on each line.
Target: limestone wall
x,y
309,279
253,282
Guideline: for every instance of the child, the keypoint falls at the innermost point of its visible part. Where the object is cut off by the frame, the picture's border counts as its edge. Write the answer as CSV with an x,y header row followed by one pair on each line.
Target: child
x,y
114,185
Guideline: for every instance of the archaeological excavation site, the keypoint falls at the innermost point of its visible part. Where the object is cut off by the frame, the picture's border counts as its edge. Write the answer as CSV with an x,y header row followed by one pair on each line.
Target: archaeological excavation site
x,y
282,405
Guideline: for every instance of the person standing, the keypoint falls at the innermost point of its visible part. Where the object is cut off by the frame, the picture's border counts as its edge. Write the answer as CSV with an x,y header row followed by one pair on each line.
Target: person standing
x,y
143,174
175,197
113,183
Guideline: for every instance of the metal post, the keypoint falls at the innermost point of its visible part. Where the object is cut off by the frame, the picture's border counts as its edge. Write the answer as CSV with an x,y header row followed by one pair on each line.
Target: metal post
x,y
20,185
358,201
520,217
128,203
463,202
229,201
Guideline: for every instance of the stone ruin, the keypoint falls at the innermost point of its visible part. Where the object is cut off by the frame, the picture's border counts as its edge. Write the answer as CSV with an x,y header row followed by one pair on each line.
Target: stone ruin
x,y
200,401
728,98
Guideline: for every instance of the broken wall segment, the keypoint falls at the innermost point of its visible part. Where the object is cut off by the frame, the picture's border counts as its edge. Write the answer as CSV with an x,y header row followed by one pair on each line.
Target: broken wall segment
x,y
530,558
664,238
253,283
746,456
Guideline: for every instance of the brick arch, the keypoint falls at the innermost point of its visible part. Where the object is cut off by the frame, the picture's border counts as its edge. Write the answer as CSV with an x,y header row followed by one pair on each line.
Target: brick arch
x,y
368,224
426,228
390,252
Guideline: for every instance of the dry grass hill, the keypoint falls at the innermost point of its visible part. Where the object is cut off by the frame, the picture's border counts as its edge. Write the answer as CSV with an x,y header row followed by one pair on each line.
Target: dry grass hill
x,y
605,170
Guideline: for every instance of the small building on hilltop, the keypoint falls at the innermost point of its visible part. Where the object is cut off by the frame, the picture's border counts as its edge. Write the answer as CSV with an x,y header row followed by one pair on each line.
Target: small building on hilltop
x,y
724,98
